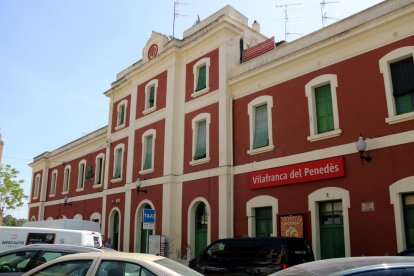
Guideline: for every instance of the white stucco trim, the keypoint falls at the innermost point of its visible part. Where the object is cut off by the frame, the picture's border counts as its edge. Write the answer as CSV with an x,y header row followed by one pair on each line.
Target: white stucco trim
x,y
257,202
328,194
405,185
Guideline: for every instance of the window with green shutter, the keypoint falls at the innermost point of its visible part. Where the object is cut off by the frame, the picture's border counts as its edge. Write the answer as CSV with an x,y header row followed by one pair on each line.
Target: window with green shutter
x,y
402,74
148,153
261,131
202,76
264,222
121,115
151,96
324,110
118,163
201,135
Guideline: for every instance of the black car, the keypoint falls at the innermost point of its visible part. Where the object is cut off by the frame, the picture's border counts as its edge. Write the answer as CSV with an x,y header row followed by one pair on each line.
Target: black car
x,y
252,256
18,261
407,252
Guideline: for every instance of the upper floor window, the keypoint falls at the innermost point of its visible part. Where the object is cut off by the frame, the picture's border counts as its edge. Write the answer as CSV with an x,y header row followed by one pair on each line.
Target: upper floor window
x,y
53,183
121,114
151,96
81,175
148,147
322,107
99,166
201,137
201,76
397,68
260,124
66,179
118,163
36,187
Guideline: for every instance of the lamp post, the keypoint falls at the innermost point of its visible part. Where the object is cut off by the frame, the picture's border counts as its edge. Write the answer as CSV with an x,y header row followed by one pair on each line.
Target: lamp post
x,y
361,146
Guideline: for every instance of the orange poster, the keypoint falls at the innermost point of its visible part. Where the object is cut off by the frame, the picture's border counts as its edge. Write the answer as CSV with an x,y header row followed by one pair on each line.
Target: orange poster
x,y
291,226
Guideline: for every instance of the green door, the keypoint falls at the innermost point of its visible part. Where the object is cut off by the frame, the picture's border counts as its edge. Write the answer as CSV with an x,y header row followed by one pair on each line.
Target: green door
x,y
331,230
145,233
408,201
201,223
263,221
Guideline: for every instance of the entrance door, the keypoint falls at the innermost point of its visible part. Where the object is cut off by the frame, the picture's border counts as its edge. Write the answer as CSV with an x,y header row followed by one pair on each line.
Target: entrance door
x,y
201,222
263,221
408,201
331,229
115,230
145,233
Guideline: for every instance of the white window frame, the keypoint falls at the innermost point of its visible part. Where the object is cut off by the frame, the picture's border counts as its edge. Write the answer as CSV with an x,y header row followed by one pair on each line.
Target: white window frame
x,y
144,148
194,124
310,87
152,83
251,107
53,183
81,178
120,125
384,64
259,202
122,147
102,157
36,187
66,179
204,61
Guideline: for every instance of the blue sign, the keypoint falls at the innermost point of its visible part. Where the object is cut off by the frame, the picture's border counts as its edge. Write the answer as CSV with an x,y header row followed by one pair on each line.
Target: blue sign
x,y
148,216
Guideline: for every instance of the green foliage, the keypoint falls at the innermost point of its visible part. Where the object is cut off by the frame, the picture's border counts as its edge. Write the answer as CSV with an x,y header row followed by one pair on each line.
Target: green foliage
x,y
11,192
9,220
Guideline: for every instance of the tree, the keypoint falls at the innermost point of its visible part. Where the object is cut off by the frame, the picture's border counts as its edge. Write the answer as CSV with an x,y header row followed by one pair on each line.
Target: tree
x,y
11,191
9,220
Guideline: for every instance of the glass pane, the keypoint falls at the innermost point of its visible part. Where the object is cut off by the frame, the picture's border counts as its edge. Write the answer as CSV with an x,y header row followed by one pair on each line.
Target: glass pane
x,y
76,267
118,164
148,153
201,82
261,132
264,221
200,151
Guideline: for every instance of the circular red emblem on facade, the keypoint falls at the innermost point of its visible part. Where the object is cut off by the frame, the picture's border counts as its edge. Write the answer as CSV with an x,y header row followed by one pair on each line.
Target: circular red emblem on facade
x,y
153,51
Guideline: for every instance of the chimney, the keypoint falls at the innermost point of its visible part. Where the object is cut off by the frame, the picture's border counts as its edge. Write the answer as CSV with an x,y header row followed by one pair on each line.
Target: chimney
x,y
256,26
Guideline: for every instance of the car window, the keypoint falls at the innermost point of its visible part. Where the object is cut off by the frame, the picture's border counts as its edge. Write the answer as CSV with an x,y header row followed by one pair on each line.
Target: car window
x,y
119,268
15,262
382,272
48,256
68,268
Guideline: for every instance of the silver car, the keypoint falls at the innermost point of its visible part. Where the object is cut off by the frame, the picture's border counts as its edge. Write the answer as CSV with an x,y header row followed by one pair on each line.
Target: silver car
x,y
112,264
361,266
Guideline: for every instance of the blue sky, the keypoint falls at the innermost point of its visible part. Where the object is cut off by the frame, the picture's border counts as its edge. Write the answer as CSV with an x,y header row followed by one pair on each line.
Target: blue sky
x,y
58,57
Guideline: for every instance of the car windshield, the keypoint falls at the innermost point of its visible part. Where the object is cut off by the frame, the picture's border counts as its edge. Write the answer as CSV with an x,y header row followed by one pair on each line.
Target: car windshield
x,y
177,267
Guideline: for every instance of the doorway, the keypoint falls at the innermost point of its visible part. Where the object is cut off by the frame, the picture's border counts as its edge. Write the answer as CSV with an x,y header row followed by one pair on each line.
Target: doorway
x,y
331,226
201,223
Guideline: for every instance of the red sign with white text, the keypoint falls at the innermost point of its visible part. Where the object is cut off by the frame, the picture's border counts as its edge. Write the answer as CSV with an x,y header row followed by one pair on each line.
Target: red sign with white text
x,y
303,172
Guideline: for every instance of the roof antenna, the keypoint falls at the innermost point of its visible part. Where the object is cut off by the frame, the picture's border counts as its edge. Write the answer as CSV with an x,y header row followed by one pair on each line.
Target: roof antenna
x,y
324,13
285,6
176,3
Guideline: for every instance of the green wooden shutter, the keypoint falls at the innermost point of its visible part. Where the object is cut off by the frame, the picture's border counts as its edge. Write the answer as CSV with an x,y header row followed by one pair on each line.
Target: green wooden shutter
x,y
261,131
402,74
201,142
148,153
121,115
263,221
324,110
118,164
151,96
202,75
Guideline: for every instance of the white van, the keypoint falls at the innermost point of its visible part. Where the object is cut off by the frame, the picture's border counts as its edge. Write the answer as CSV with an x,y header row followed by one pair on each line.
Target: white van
x,y
12,237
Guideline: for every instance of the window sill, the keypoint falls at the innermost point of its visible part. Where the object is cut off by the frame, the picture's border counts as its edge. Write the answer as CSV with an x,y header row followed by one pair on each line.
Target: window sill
x,y
97,186
400,118
65,193
146,171
199,161
149,110
116,180
326,135
260,150
52,195
120,127
200,92
35,198
79,189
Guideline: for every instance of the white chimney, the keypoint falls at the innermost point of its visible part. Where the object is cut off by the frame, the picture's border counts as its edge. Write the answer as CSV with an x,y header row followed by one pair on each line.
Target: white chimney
x,y
256,26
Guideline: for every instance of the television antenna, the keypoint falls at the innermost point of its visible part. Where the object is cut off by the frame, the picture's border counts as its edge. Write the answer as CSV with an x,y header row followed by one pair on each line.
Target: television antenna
x,y
176,14
324,13
285,6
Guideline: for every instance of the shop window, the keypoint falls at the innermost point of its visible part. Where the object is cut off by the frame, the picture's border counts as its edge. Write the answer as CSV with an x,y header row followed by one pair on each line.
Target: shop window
x,y
36,187
66,179
260,125
81,175
151,96
323,107
99,169
264,221
397,68
148,145
53,183
121,114
201,139
118,163
201,76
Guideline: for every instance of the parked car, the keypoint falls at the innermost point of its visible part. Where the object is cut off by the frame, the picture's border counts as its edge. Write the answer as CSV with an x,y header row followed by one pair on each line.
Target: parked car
x,y
407,252
362,266
22,259
112,264
252,256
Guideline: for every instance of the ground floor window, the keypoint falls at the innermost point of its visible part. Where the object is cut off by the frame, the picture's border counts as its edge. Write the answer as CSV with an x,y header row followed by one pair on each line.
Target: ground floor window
x,y
408,210
264,226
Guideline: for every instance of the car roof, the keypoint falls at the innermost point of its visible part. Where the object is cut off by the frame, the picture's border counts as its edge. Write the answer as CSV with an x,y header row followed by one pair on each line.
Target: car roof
x,y
339,266
55,247
116,255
